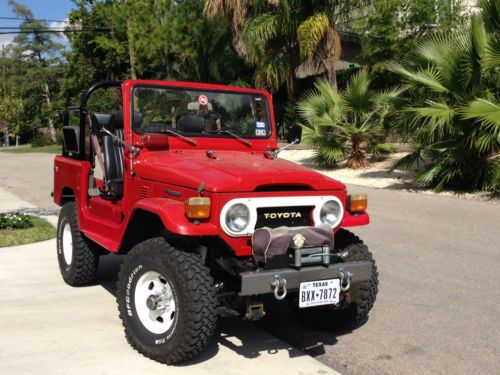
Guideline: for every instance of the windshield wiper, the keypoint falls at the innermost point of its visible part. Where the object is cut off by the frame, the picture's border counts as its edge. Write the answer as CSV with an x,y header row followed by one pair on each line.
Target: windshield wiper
x,y
225,131
189,140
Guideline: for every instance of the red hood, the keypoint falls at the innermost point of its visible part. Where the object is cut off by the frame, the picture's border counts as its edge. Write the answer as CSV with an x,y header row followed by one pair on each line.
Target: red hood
x,y
233,172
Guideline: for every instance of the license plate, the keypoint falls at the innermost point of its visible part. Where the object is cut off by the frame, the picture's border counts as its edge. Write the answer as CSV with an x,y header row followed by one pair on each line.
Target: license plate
x,y
317,293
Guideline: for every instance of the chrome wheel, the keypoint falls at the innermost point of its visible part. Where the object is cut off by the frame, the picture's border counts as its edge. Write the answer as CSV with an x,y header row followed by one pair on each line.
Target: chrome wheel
x,y
67,244
155,302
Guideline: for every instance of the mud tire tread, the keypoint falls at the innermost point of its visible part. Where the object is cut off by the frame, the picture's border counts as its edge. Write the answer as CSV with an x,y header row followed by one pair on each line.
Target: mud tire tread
x,y
200,307
83,268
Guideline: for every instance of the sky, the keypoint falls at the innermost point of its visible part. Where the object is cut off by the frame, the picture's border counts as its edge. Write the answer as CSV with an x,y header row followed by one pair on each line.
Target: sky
x,y
52,9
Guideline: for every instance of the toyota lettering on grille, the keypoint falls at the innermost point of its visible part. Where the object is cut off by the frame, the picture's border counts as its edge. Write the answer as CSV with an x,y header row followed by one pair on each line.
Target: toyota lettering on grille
x,y
282,215
291,216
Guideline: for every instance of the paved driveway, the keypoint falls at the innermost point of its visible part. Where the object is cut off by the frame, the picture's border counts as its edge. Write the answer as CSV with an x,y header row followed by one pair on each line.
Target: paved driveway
x,y
47,327
439,303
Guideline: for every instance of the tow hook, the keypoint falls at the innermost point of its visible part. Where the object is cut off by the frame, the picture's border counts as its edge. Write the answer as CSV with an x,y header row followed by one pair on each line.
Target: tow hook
x,y
277,284
345,280
255,308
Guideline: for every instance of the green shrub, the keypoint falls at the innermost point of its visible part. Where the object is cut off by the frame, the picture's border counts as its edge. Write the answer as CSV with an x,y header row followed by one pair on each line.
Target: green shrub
x,y
59,137
348,123
15,220
454,113
380,149
41,140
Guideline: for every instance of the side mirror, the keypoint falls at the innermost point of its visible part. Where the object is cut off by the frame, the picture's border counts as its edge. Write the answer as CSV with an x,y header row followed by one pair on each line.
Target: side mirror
x,y
101,121
295,134
71,139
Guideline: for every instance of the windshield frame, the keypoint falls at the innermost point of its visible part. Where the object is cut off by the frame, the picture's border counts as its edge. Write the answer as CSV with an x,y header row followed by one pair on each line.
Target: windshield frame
x,y
202,87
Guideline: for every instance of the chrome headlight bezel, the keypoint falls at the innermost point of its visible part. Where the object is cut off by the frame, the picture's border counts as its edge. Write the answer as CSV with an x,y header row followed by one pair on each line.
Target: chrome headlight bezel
x,y
238,211
331,213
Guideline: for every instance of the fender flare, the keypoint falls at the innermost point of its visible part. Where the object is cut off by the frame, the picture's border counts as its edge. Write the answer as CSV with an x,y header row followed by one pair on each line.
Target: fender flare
x,y
351,220
172,215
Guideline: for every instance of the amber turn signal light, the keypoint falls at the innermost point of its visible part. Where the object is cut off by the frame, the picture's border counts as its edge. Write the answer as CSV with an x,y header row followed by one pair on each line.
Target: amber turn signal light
x,y
357,202
197,207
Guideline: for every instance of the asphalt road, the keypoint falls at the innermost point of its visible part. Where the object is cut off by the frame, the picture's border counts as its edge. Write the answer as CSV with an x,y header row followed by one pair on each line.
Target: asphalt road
x,y
438,308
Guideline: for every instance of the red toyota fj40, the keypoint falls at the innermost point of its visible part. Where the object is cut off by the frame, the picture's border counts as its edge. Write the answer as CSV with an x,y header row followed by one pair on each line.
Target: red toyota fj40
x,y
184,179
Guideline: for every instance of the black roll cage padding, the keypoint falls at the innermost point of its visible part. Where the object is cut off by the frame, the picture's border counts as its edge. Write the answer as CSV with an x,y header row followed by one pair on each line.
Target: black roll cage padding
x,y
94,87
82,109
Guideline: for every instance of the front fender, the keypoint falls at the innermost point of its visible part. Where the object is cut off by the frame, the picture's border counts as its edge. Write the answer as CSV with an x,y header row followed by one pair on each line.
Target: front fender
x,y
351,220
172,215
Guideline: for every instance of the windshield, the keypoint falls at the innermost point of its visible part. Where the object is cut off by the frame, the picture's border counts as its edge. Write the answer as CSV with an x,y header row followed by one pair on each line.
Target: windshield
x,y
200,113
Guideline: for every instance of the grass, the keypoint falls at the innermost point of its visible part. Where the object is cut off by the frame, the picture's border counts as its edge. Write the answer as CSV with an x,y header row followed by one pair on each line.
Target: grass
x,y
52,149
41,231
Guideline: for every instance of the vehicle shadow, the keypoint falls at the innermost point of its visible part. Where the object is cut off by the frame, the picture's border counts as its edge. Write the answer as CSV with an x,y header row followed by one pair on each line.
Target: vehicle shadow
x,y
283,330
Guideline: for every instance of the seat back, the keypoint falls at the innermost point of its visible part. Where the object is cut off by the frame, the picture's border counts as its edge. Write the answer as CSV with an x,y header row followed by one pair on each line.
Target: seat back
x,y
114,157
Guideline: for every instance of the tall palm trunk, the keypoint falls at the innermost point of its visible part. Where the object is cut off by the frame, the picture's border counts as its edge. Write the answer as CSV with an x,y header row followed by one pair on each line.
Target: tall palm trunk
x,y
331,74
47,95
332,52
131,50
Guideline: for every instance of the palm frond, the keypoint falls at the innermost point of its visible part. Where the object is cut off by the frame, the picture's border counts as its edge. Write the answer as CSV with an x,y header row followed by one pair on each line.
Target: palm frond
x,y
490,10
310,32
483,110
357,94
491,58
258,31
479,36
436,118
486,115
436,48
329,151
429,77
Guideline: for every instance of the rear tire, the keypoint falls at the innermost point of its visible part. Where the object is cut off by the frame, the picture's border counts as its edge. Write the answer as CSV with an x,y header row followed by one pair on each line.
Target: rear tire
x,y
167,302
362,294
78,260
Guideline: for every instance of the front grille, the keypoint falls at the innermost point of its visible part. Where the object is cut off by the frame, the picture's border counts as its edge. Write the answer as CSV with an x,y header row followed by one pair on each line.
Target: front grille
x,y
294,216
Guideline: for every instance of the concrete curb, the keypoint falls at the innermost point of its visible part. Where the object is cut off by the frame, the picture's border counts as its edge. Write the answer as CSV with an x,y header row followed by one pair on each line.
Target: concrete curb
x,y
10,202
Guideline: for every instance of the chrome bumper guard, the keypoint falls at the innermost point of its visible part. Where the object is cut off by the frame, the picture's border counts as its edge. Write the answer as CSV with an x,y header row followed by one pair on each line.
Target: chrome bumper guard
x,y
262,281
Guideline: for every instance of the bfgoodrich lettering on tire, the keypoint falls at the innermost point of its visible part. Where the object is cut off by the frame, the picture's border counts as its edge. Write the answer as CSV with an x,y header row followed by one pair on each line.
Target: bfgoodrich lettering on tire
x,y
77,257
167,302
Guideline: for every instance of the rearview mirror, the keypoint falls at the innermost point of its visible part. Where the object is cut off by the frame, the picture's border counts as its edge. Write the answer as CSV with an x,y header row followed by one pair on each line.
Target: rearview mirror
x,y
294,134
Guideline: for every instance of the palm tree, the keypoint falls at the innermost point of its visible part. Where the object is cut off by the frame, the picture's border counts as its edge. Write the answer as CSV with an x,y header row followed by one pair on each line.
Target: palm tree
x,y
345,124
236,11
277,36
456,128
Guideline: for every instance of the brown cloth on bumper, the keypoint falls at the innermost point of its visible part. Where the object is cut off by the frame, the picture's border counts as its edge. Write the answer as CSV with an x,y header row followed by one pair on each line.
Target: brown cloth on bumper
x,y
267,242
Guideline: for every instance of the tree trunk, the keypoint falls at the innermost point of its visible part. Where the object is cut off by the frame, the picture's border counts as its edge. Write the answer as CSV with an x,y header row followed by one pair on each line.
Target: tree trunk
x,y
331,74
131,50
4,73
290,87
52,130
332,52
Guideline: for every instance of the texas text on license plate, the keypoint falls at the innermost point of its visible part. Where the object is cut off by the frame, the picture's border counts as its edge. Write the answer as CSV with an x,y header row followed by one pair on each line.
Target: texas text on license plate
x,y
320,292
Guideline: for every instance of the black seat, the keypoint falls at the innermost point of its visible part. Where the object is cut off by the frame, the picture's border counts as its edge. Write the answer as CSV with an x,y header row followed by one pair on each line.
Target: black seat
x,y
191,124
114,157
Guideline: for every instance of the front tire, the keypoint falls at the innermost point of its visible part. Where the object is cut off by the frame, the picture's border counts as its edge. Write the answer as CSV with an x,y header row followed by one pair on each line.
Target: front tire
x,y
362,294
78,260
167,302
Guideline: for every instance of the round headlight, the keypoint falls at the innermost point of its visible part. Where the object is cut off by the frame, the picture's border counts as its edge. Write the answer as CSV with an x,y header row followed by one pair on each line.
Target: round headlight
x,y
237,217
331,213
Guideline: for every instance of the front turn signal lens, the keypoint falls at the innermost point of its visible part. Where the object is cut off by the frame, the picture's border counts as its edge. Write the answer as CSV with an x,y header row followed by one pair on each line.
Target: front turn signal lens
x,y
357,202
197,207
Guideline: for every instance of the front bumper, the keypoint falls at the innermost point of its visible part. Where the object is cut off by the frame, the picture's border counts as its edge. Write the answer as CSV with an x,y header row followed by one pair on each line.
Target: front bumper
x,y
260,281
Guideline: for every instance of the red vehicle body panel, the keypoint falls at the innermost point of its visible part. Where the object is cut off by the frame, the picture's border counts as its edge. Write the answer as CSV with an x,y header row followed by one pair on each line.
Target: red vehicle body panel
x,y
159,181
